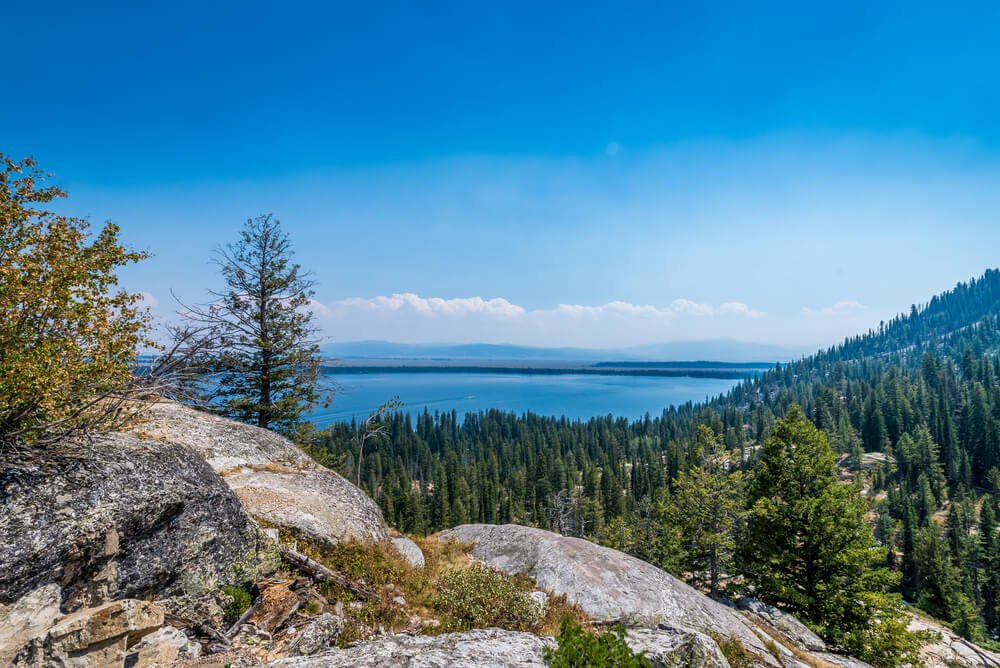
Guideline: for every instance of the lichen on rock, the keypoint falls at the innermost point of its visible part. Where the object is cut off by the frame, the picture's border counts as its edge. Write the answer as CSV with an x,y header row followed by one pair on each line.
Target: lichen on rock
x,y
135,519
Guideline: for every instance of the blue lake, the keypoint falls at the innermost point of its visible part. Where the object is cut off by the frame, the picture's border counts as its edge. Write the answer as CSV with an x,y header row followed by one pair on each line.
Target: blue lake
x,y
575,396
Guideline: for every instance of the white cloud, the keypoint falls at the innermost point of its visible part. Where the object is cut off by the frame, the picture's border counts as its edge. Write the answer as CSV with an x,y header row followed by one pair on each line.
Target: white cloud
x,y
408,302
611,308
838,309
741,309
320,309
686,306
678,307
436,306
413,318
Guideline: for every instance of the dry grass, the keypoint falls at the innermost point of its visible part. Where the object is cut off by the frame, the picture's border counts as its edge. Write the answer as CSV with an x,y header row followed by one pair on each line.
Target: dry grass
x,y
778,636
379,568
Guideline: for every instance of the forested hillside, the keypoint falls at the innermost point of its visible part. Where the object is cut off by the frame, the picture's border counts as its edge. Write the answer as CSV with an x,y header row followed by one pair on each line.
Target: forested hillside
x,y
911,409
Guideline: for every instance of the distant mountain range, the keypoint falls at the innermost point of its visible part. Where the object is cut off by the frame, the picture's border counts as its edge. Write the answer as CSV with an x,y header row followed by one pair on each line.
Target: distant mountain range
x,y
716,350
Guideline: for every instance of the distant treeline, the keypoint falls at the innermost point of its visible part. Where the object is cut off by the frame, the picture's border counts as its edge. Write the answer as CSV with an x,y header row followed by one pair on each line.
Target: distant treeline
x,y
704,365
538,371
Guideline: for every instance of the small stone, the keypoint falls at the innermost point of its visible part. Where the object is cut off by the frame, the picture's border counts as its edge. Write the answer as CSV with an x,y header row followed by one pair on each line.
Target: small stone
x,y
319,635
541,600
163,648
410,551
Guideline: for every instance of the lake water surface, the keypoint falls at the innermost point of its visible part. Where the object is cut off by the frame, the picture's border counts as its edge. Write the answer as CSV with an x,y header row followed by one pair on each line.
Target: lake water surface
x,y
572,395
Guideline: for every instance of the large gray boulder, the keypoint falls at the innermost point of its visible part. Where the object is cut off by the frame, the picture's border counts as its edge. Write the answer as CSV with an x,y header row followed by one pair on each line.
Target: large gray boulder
x,y
134,519
606,583
273,478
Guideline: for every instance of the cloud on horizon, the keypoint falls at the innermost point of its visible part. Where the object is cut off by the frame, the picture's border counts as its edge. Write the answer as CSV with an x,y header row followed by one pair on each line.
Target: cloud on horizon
x,y
835,310
498,307
413,318
408,317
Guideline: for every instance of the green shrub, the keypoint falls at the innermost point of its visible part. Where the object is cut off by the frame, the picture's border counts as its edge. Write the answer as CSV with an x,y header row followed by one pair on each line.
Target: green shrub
x,y
241,603
580,649
479,596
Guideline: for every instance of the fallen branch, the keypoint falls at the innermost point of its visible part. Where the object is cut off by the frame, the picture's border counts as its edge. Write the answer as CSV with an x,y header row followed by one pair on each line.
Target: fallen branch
x,y
242,620
320,572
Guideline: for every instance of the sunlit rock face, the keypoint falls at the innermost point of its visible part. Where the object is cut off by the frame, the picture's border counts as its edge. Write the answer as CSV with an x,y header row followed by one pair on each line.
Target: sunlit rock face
x,y
272,477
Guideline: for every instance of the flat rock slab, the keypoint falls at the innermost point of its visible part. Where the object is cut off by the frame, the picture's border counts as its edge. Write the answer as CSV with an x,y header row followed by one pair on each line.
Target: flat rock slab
x,y
606,583
481,648
273,478
497,648
95,636
92,626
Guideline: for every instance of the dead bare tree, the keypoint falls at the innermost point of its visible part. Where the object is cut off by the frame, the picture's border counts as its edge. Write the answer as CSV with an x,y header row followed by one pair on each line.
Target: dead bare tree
x,y
560,509
373,428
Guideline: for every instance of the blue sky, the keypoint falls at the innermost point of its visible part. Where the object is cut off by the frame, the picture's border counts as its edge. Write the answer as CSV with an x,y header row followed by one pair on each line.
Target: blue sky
x,y
539,173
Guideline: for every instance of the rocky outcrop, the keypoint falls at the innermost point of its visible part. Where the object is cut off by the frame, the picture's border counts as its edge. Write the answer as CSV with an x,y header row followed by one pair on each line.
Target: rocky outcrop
x,y
165,647
273,478
607,584
135,519
669,647
319,635
793,629
949,650
482,648
97,636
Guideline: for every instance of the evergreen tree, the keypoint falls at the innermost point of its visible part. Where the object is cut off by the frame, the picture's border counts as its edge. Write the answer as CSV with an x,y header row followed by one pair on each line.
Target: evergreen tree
x,y
707,504
808,547
269,360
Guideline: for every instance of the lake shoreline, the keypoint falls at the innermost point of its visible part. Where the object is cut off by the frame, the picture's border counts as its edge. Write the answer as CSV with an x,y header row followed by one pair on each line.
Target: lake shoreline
x,y
698,369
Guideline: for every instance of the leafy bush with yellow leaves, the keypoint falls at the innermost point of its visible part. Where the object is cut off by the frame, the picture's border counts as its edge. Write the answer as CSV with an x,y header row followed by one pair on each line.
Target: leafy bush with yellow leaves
x,y
68,336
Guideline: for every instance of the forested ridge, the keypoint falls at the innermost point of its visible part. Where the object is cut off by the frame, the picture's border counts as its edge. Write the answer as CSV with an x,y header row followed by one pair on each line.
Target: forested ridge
x,y
911,411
